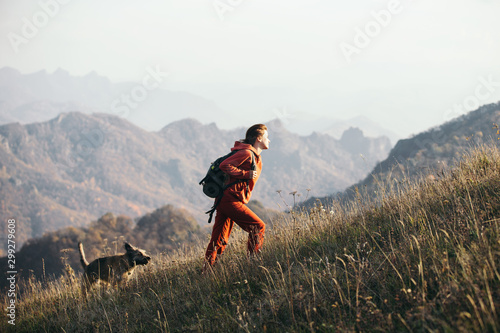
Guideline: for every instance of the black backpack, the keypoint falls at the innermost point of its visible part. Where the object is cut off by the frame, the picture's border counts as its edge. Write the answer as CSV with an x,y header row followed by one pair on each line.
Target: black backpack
x,y
213,182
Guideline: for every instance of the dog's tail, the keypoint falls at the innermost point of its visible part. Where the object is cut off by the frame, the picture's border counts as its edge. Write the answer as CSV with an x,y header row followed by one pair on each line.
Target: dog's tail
x,y
83,261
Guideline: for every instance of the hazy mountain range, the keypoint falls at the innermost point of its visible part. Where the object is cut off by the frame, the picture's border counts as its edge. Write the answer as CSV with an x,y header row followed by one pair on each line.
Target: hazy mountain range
x,y
71,169
428,153
41,96
77,167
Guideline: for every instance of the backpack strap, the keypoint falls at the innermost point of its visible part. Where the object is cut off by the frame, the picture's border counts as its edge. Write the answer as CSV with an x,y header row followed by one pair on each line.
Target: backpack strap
x,y
214,207
252,168
219,198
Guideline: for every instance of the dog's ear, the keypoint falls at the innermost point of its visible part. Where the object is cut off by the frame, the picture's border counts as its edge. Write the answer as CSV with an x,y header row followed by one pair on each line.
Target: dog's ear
x,y
128,247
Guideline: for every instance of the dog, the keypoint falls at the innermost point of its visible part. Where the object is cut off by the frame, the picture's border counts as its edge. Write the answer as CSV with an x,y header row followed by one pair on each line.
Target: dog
x,y
114,270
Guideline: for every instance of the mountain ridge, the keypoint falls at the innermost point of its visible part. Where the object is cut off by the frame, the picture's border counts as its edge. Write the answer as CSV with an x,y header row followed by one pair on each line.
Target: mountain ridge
x,y
76,167
434,149
41,96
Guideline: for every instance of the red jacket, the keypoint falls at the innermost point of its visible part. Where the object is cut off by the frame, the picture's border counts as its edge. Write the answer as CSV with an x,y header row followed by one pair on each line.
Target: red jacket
x,y
238,167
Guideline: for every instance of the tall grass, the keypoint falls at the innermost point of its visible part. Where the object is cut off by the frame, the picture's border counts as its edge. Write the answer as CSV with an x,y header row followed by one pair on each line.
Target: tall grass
x,y
423,256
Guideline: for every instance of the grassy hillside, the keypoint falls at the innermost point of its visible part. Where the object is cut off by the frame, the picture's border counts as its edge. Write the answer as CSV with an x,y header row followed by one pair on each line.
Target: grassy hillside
x,y
426,258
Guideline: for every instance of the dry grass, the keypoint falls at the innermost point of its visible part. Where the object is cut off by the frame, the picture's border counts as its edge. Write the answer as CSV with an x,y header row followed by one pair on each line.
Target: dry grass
x,y
425,257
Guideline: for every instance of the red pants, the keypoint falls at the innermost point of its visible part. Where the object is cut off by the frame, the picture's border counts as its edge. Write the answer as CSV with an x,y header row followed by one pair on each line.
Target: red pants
x,y
228,213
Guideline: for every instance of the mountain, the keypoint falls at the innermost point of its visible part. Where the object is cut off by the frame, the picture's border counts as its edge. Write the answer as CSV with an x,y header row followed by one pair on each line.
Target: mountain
x,y
370,128
429,151
354,141
76,167
304,124
40,96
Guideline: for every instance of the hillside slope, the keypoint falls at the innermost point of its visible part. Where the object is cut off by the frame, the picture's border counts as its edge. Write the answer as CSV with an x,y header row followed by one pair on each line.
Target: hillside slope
x,y
426,258
428,152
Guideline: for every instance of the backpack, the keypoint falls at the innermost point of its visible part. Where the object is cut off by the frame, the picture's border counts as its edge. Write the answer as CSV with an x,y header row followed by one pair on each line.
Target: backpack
x,y
213,182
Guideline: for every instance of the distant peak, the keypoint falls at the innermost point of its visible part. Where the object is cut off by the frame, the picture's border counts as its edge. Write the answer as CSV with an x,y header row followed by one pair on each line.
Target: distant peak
x,y
61,72
72,116
275,122
352,133
92,74
276,125
186,122
9,71
354,130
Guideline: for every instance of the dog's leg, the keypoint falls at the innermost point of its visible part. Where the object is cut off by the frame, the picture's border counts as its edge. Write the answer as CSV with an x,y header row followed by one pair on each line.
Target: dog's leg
x,y
85,286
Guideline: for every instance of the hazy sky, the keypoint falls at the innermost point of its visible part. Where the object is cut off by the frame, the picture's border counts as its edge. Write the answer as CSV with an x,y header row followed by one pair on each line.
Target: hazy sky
x,y
404,64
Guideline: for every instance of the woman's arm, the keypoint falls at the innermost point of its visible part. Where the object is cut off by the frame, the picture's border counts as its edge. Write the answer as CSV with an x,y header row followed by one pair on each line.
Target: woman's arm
x,y
232,165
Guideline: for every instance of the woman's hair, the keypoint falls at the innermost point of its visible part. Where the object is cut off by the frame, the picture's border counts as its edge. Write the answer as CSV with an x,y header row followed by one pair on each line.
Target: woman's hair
x,y
254,132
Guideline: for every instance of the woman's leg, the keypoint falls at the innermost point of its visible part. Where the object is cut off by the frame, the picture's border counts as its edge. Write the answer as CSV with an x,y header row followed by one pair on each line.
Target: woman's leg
x,y
248,221
220,235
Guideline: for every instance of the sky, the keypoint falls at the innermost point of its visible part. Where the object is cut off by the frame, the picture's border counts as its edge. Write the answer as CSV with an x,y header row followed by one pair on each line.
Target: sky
x,y
408,65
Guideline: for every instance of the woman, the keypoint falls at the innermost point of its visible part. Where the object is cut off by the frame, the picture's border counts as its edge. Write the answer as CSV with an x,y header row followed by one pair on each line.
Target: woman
x,y
232,207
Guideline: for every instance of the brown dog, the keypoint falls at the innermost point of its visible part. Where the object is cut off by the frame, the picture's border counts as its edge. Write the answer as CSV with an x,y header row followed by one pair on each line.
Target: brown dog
x,y
114,270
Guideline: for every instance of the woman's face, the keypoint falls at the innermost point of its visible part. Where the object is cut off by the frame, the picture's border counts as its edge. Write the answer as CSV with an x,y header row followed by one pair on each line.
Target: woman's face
x,y
264,141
